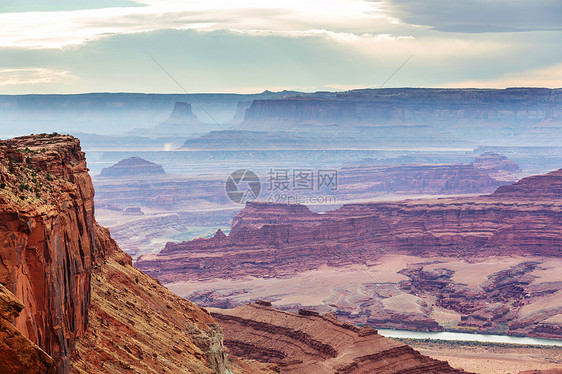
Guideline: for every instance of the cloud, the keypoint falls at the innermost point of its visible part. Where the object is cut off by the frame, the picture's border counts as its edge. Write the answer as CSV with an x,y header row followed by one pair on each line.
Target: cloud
x,y
18,6
342,37
249,45
62,29
26,76
480,16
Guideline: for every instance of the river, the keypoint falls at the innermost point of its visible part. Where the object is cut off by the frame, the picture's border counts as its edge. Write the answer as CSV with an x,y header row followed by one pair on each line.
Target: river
x,y
445,335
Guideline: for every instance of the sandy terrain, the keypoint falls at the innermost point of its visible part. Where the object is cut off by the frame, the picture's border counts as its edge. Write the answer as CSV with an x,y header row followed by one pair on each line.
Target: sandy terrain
x,y
382,291
492,359
308,288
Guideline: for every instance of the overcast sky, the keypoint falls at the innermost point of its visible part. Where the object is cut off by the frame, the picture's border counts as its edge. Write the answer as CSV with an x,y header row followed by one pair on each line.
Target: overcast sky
x,y
70,46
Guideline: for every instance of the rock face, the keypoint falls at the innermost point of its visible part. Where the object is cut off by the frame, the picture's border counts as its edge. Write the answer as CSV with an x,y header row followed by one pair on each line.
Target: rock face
x,y
544,187
497,166
46,235
182,115
307,343
132,166
513,106
278,239
83,302
19,354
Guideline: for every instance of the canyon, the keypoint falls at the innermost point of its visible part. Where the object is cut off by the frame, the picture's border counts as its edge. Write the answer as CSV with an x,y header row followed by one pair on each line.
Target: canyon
x,y
72,302
482,263
144,212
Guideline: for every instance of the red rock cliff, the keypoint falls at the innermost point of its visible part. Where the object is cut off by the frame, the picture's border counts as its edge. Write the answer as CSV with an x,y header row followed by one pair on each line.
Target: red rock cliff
x,y
276,239
82,302
46,236
19,354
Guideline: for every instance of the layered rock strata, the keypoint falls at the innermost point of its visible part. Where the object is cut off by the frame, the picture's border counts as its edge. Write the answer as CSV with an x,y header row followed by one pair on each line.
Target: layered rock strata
x,y
279,239
447,107
19,354
306,343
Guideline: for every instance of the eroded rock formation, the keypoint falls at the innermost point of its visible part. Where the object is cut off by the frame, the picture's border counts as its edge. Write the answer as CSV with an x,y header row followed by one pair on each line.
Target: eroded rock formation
x,y
182,115
83,303
307,343
19,354
280,239
369,181
132,166
515,233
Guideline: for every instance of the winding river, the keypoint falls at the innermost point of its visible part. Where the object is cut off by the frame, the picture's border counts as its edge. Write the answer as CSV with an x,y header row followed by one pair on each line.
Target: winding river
x,y
445,335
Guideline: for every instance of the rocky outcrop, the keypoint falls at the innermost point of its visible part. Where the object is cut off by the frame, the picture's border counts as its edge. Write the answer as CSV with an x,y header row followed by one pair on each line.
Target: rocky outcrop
x,y
83,302
132,166
281,239
497,166
182,115
494,162
543,187
309,342
46,235
19,354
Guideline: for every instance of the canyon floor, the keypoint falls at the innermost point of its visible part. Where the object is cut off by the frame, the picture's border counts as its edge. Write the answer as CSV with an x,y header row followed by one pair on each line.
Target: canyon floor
x,y
375,293
491,358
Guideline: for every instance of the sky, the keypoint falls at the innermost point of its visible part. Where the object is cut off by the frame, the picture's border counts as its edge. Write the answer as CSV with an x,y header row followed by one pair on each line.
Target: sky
x,y
248,46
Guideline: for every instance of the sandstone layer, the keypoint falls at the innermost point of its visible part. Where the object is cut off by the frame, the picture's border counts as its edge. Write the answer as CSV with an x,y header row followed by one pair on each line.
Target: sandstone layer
x,y
19,354
307,343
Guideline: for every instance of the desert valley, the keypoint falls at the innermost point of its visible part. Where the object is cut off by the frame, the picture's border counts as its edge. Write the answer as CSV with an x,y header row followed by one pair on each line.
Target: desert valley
x,y
280,187
406,242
